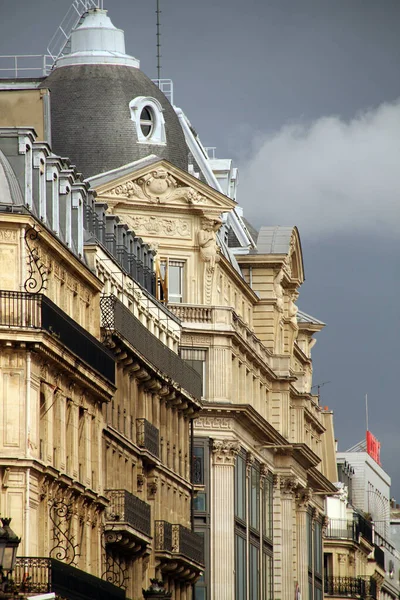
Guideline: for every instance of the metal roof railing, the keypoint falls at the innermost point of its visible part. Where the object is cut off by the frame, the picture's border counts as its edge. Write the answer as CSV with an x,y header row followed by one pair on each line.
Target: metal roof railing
x,y
25,65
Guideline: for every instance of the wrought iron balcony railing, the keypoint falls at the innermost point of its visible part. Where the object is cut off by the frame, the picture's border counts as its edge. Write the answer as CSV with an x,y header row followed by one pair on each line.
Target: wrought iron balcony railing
x,y
118,319
351,587
163,536
21,310
364,527
35,575
343,529
148,436
188,543
126,508
179,540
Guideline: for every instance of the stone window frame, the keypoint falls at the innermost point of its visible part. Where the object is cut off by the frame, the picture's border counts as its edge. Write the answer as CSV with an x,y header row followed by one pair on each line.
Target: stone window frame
x,y
157,132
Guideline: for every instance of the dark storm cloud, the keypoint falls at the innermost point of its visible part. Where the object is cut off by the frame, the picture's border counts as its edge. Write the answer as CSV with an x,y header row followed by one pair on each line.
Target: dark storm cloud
x,y
329,176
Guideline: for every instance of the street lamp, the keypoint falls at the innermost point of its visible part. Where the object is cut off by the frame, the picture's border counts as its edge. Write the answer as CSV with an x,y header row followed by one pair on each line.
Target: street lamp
x,y
9,542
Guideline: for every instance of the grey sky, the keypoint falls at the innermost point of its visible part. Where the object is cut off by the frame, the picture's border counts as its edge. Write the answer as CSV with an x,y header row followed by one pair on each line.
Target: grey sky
x,y
293,91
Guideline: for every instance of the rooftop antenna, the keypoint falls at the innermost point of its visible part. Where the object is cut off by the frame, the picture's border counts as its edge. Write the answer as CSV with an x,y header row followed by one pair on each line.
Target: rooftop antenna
x,y
366,410
319,386
158,12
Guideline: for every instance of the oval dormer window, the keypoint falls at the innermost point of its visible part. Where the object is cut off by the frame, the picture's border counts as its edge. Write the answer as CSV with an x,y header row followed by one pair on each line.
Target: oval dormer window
x,y
147,114
146,121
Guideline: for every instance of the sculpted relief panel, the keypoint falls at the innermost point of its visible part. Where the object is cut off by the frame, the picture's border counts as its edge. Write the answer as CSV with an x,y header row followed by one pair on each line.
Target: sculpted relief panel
x,y
158,226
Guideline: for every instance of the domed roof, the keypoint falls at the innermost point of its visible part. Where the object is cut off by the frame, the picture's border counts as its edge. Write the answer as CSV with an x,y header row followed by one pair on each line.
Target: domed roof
x,y
99,100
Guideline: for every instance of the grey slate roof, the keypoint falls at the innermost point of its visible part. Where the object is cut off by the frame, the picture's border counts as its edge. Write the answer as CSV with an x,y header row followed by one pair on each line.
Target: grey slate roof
x,y
274,240
303,317
91,122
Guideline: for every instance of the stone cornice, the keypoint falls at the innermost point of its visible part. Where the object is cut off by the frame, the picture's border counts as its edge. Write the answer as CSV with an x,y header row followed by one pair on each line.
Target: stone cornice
x,y
319,483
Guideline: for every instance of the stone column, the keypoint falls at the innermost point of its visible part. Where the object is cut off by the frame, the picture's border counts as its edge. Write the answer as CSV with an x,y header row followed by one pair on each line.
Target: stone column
x,y
222,550
303,497
287,486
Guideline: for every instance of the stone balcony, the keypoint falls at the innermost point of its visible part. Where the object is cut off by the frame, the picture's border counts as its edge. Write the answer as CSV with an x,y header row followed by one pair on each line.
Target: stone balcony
x,y
179,551
36,312
128,522
224,319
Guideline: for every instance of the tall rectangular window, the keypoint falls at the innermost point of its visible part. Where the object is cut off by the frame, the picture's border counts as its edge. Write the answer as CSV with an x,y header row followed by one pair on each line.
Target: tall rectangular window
x,y
240,567
254,572
170,282
254,497
268,500
197,359
240,488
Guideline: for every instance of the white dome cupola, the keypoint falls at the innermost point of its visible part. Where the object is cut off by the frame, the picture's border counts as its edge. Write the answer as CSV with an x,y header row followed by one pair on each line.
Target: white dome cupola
x,y
96,41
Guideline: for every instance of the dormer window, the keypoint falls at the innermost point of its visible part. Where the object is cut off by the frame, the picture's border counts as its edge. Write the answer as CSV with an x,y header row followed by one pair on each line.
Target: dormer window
x,y
146,121
147,114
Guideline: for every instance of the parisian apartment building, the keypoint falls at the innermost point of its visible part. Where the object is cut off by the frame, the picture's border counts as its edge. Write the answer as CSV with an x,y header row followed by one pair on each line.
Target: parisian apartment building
x,y
159,434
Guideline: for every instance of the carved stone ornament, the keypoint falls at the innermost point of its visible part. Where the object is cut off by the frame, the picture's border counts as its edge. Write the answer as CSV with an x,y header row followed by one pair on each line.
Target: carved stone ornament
x,y
213,423
158,186
158,226
207,237
303,497
225,451
288,485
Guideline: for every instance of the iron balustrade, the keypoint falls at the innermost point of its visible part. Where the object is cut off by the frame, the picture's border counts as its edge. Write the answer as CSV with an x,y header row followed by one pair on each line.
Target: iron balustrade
x,y
351,587
179,540
36,311
126,508
364,527
342,529
190,544
163,536
148,436
44,575
118,319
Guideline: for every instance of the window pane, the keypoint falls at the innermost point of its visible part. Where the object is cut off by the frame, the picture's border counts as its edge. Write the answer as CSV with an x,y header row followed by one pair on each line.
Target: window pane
x,y
309,541
318,547
254,575
199,502
255,498
175,283
268,508
267,576
240,488
200,593
198,465
240,568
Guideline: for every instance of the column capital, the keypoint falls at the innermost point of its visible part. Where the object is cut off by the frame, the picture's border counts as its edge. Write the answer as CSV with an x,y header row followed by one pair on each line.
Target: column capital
x,y
303,497
288,485
225,452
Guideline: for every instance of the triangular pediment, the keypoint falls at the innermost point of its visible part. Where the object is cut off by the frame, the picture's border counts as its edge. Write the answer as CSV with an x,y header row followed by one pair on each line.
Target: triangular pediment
x,y
158,185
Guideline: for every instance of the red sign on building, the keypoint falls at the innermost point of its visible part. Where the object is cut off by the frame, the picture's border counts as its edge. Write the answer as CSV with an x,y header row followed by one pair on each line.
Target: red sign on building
x,y
373,447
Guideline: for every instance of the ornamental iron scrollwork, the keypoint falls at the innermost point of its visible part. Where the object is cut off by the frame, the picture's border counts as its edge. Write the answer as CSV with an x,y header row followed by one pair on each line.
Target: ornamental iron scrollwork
x,y
65,549
107,310
37,275
116,567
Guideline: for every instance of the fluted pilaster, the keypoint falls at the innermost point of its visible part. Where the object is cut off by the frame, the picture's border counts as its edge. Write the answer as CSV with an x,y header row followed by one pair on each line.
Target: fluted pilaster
x,y
222,516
